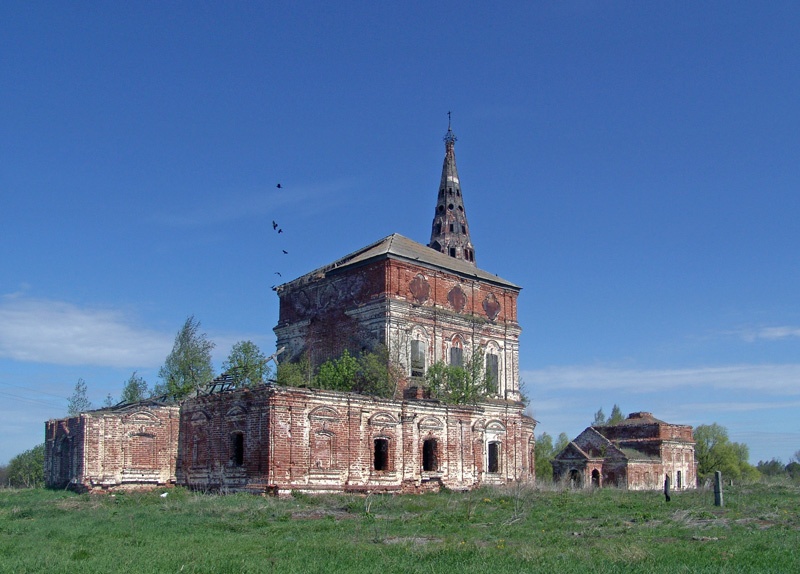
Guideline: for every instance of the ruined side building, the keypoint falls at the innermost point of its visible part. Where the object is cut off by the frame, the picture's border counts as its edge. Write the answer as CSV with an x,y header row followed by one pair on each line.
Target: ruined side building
x,y
424,303
133,445
636,453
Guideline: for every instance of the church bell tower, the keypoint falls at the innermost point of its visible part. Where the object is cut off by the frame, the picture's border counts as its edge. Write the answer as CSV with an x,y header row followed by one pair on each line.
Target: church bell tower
x,y
450,230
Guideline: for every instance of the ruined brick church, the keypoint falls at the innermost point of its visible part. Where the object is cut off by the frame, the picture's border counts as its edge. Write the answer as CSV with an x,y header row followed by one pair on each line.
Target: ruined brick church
x,y
425,303
637,453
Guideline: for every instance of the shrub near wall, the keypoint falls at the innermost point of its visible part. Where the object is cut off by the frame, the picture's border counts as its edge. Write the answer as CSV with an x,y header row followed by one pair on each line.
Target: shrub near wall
x,y
26,470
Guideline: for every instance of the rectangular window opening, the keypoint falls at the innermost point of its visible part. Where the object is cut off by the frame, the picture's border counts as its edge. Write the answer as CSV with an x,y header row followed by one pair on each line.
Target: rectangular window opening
x,y
429,462
457,356
492,374
237,448
417,358
494,457
381,459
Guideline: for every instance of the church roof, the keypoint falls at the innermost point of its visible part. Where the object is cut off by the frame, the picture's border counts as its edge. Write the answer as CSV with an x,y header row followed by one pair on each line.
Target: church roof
x,y
401,248
638,419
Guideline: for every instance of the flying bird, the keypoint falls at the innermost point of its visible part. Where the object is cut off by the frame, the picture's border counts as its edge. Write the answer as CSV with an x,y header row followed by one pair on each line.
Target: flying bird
x,y
285,252
274,225
280,231
278,274
279,186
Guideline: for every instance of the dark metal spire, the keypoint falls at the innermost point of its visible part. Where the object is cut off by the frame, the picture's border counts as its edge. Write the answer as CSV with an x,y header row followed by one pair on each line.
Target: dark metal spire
x,y
450,230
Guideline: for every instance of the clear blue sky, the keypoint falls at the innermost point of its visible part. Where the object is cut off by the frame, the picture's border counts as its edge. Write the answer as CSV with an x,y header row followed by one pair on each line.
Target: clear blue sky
x,y
634,166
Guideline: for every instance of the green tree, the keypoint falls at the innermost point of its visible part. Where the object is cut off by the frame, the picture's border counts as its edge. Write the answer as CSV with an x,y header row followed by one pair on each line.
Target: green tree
x,y
78,402
616,416
543,453
561,443
714,451
377,375
793,470
188,366
772,467
134,389
599,418
26,470
247,365
338,374
295,373
459,385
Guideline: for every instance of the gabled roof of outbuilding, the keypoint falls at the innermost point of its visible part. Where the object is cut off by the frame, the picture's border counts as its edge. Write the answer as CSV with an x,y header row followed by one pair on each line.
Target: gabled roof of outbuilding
x,y
398,247
638,419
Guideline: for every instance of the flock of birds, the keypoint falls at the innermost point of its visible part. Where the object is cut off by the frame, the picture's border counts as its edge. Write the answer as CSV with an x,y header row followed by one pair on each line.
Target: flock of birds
x,y
279,230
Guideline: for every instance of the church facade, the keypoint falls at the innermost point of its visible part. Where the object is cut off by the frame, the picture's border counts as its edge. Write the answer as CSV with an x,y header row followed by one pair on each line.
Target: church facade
x,y
426,304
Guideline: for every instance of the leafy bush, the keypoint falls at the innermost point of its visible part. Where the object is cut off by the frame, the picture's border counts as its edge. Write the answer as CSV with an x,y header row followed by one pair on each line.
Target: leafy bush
x,y
371,373
460,385
26,470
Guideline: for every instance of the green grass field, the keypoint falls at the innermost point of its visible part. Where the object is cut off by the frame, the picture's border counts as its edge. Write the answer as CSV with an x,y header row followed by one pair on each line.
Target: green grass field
x,y
490,530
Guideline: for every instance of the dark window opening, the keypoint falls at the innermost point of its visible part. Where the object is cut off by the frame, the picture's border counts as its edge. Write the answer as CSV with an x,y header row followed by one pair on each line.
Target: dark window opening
x,y
595,478
441,208
450,207
458,192
237,448
463,228
417,358
438,229
457,356
574,478
449,191
678,482
461,208
492,374
381,454
494,457
452,252
429,462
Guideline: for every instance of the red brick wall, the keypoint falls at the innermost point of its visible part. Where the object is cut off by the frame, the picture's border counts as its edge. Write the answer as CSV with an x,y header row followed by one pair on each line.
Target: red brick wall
x,y
440,283
133,448
301,439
